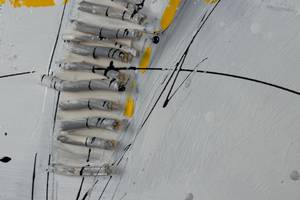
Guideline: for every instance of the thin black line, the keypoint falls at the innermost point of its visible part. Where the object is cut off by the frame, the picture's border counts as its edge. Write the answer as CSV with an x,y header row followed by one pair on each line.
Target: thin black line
x,y
48,173
89,190
105,188
80,187
180,62
248,79
17,74
216,73
56,109
33,177
184,56
186,78
57,37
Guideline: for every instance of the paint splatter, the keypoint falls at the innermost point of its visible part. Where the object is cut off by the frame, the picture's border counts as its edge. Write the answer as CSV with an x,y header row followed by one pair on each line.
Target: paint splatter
x,y
5,159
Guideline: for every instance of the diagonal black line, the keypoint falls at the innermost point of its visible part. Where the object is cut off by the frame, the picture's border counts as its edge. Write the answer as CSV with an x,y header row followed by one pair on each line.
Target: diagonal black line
x,y
80,188
186,78
58,96
105,187
48,173
33,177
184,56
57,37
89,190
17,74
180,62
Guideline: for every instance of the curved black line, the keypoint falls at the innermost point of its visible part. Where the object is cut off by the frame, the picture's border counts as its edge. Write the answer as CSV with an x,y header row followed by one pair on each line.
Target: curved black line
x,y
246,78
218,74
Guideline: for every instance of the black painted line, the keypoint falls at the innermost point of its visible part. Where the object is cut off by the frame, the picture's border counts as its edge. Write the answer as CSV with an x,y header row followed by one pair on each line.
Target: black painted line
x,y
178,64
186,52
57,37
17,74
48,173
190,73
105,187
58,96
89,190
80,188
33,177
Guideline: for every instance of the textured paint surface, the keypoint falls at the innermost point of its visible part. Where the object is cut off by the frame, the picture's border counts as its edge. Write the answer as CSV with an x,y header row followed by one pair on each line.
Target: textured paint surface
x,y
169,14
31,3
218,138
145,59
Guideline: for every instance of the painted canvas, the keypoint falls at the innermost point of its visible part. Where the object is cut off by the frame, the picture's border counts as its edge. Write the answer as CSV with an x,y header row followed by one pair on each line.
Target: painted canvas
x,y
149,99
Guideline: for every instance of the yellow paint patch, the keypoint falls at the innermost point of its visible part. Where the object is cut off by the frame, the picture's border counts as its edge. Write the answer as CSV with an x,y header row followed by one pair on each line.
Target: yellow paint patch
x,y
33,3
145,60
169,14
129,107
211,1
2,2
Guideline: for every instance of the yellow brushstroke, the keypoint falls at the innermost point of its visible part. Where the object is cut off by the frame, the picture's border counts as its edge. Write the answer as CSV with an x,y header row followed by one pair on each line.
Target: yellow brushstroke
x,y
2,2
145,60
169,14
211,1
32,3
129,107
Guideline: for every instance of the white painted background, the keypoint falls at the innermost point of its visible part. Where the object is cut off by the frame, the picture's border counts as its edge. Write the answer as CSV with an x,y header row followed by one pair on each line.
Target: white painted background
x,y
219,137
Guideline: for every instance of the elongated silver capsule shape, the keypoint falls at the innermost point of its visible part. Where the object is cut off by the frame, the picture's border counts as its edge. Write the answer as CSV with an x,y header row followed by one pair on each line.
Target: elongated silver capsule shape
x,y
83,85
106,33
109,72
97,52
93,122
90,142
92,104
67,170
129,15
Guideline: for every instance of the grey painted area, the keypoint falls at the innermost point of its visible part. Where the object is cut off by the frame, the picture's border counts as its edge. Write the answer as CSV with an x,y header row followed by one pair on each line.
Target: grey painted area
x,y
219,137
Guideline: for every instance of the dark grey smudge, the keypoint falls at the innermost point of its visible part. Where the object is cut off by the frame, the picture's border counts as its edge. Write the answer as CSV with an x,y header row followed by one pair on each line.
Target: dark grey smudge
x,y
295,175
5,159
189,196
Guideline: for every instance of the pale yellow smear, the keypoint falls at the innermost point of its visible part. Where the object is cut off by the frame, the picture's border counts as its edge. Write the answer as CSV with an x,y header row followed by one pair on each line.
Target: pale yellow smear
x,y
145,60
211,1
169,14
